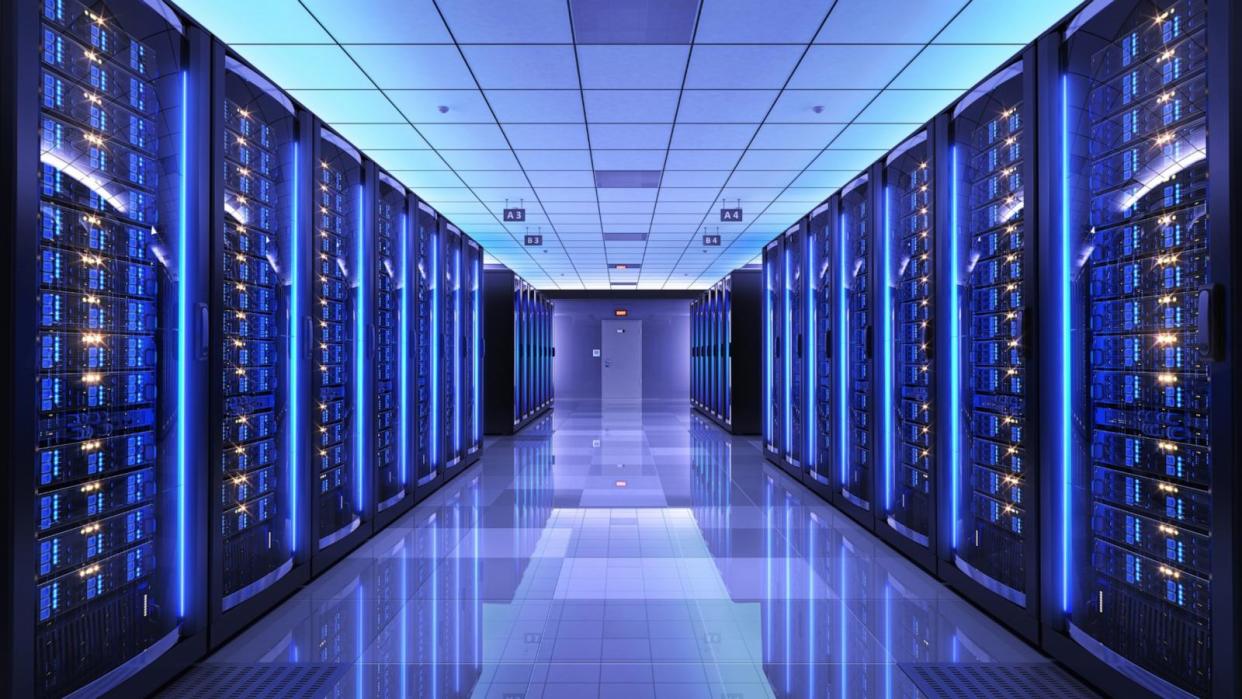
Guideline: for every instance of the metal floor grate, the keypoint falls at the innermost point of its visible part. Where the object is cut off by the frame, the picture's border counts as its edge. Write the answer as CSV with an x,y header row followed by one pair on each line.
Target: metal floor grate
x,y
958,680
264,681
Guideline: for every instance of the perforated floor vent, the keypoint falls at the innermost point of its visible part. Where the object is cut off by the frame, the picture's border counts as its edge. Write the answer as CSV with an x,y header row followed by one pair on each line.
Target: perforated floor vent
x,y
959,680
264,681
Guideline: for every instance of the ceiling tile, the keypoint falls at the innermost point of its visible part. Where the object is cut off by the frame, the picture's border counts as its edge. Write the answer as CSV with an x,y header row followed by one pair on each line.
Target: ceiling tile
x,y
631,106
555,159
907,106
547,136
561,178
872,21
703,159
819,106
694,179
505,21
734,67
405,21
246,21
714,136
851,67
464,136
381,136
628,67
395,160
626,136
629,159
849,161
777,159
761,178
480,160
427,106
523,67
306,67
1006,21
815,136
760,21
953,67
536,106
414,67
349,106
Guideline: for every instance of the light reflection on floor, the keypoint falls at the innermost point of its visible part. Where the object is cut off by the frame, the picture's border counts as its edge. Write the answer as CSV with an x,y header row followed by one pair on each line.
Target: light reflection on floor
x,y
623,551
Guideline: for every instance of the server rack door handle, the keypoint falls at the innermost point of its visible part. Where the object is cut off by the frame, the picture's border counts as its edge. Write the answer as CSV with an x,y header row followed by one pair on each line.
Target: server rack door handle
x,y
204,330
869,342
828,343
730,348
777,349
1028,323
929,339
308,329
1211,322
799,355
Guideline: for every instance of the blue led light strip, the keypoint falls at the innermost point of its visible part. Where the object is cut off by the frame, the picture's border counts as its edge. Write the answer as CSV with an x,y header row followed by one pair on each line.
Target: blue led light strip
x,y
295,344
183,340
955,358
1066,467
812,425
457,311
477,350
768,359
886,352
843,347
788,358
433,441
403,366
359,357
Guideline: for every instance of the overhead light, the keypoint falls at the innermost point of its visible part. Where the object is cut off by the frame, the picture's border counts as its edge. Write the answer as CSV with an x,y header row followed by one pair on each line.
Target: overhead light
x,y
628,179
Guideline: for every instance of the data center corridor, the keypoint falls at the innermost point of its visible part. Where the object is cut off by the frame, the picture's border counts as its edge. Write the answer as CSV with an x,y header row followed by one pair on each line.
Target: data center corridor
x,y
622,551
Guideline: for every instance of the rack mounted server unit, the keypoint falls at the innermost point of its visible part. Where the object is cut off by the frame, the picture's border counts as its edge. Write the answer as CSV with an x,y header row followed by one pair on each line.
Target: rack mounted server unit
x,y
725,353
517,322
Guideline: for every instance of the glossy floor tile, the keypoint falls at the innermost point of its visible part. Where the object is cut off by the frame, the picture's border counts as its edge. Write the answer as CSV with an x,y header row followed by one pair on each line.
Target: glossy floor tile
x,y
629,551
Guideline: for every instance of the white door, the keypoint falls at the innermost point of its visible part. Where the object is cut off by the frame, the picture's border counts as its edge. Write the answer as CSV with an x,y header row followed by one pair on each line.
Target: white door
x,y
622,365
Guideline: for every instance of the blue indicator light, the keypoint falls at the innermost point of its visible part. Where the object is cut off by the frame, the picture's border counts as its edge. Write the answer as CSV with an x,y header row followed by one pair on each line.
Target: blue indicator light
x,y
478,377
183,340
1066,470
809,411
955,358
403,352
457,311
788,321
433,440
886,351
843,363
359,358
295,344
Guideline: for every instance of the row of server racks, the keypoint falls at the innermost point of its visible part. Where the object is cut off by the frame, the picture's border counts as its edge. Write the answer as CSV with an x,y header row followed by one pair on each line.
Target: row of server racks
x,y
518,359
1009,347
235,347
725,352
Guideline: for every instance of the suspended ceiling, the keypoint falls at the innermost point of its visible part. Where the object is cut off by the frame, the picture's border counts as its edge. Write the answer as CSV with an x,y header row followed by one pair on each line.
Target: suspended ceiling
x,y
770,105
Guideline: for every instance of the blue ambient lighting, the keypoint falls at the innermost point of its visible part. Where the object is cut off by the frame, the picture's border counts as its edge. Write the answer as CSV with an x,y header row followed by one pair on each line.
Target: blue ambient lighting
x,y
886,343
811,427
955,359
477,353
183,339
789,351
295,344
359,357
457,310
768,358
433,440
1066,470
843,361
403,349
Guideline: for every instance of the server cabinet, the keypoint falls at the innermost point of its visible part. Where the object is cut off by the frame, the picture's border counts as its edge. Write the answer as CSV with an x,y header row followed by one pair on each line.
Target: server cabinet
x,y
472,350
793,321
992,548
856,483
451,340
906,430
823,316
425,429
515,351
259,266
738,349
1143,564
105,497
339,435
392,487
773,364
694,354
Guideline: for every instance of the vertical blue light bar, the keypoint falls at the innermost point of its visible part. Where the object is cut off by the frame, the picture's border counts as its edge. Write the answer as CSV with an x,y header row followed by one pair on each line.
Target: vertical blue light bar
x,y
403,349
955,355
1066,378
843,348
360,325
886,351
768,358
812,425
787,320
433,439
295,344
183,339
477,351
457,310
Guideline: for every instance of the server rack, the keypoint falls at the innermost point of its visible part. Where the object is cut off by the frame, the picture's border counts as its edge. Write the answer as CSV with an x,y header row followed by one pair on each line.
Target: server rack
x,y
991,551
696,396
517,362
906,431
425,352
451,341
822,262
856,480
793,323
472,350
733,346
106,367
340,440
258,303
773,366
1142,568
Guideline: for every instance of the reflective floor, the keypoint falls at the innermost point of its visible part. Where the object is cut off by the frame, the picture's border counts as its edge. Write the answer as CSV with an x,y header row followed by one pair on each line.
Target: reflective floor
x,y
624,552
